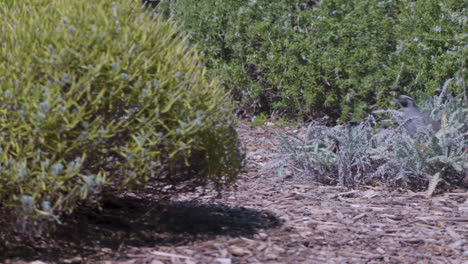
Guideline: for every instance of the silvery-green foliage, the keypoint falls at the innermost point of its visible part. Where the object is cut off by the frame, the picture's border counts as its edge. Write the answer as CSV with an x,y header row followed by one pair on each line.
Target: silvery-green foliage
x,y
402,160
335,155
383,152
291,148
354,152
27,203
416,160
304,152
92,184
444,103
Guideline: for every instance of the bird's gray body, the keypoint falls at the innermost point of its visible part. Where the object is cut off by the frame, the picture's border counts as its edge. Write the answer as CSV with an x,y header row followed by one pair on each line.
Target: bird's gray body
x,y
415,120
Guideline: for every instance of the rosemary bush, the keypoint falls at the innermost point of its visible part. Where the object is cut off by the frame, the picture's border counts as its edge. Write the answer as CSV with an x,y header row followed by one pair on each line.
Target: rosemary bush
x,y
94,94
333,57
382,152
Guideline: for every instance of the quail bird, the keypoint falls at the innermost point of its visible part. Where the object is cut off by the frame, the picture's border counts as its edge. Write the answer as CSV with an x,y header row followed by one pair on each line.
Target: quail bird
x,y
415,120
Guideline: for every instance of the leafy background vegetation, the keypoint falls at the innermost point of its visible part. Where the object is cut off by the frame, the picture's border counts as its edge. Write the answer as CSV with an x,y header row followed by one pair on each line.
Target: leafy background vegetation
x,y
335,57
342,59
100,94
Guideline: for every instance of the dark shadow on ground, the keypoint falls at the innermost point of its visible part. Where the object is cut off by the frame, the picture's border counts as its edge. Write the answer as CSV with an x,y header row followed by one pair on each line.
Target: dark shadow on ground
x,y
142,223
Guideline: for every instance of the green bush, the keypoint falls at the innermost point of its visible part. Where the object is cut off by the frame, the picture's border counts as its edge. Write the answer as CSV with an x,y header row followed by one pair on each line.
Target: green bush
x,y
336,57
93,94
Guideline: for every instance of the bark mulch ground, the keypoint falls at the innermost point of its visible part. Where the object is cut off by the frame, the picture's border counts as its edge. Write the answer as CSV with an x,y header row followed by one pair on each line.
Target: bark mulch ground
x,y
263,219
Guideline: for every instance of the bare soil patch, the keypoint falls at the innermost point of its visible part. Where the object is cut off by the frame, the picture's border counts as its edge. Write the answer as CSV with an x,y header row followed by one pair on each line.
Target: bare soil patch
x,y
263,219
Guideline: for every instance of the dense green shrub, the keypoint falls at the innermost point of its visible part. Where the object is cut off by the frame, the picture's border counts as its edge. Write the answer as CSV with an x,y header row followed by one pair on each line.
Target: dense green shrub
x,y
94,93
431,45
335,57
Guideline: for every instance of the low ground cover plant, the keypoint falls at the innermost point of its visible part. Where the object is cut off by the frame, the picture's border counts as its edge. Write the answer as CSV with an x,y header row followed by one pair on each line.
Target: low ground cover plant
x,y
334,57
99,93
382,152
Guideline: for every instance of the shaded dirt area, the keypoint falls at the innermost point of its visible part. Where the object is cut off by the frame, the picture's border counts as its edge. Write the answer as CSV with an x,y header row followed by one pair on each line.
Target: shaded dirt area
x,y
263,219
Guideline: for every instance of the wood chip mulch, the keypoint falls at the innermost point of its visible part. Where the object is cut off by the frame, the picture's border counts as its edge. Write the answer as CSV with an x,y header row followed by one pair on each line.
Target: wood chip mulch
x,y
265,219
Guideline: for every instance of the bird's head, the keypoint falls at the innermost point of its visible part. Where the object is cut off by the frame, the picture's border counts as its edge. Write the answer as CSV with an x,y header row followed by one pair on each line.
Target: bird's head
x,y
406,101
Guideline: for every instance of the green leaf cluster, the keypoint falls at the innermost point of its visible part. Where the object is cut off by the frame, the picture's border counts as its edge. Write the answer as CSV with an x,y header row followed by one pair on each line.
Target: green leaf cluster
x,y
97,93
334,57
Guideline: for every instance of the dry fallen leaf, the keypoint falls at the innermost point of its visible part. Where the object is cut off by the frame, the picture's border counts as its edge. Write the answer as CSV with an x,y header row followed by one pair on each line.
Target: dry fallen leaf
x,y
168,255
238,251
445,251
222,261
